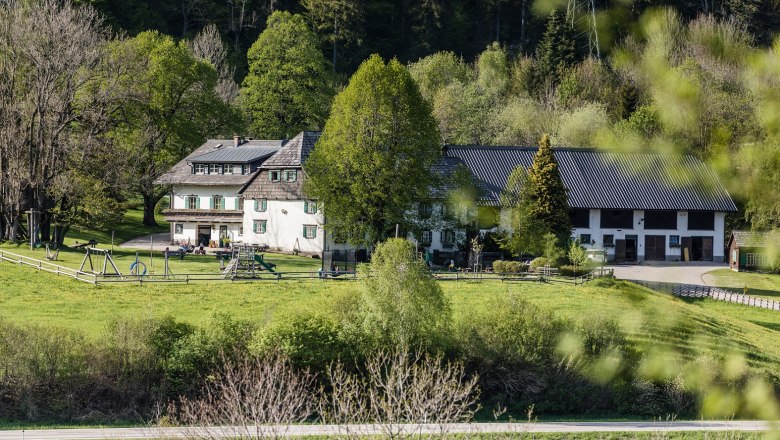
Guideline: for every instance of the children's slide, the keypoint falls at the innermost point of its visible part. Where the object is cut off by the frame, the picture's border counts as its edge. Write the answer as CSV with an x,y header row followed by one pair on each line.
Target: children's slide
x,y
267,265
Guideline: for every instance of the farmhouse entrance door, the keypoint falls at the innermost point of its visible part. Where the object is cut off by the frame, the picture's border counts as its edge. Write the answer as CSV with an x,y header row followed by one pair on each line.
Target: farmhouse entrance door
x,y
655,247
204,235
701,248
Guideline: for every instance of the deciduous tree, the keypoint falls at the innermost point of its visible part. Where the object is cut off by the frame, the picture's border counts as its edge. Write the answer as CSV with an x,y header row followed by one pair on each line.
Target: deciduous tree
x,y
376,155
288,88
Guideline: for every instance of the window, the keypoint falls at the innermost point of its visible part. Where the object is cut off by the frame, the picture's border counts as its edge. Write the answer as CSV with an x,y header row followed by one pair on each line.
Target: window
x,y
447,237
192,202
674,240
580,218
701,220
241,230
215,168
227,168
426,237
310,207
217,203
660,219
261,205
584,238
259,226
274,176
609,240
446,211
179,228
239,203
617,218
245,169
200,168
290,175
425,210
309,231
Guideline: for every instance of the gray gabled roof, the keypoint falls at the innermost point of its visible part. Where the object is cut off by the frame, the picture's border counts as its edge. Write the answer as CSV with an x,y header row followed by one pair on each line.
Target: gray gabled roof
x,y
181,173
250,151
604,180
295,151
750,239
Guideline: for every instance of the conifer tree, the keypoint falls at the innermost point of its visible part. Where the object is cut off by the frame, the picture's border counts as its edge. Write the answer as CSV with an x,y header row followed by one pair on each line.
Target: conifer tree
x,y
544,194
557,50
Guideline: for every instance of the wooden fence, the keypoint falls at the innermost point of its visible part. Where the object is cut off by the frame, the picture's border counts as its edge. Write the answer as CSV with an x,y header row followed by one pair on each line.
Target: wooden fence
x,y
717,293
186,278
48,266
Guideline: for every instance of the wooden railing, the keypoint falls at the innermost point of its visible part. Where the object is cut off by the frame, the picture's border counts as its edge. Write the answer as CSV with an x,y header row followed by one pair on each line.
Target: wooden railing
x,y
48,266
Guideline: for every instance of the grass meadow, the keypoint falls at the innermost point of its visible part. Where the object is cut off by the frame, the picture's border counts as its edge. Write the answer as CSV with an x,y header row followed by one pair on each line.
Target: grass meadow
x,y
764,285
652,320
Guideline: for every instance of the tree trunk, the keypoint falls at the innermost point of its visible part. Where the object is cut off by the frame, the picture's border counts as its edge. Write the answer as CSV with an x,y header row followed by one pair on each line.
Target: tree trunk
x,y
150,201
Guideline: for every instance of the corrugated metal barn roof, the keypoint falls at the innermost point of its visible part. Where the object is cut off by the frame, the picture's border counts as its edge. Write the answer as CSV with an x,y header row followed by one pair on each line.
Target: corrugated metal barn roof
x,y
603,180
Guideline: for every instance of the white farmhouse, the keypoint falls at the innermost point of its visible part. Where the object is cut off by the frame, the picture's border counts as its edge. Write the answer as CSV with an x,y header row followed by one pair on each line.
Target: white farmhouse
x,y
205,206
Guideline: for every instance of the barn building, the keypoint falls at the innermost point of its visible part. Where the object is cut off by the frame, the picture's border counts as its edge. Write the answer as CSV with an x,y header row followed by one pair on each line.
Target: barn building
x,y
635,206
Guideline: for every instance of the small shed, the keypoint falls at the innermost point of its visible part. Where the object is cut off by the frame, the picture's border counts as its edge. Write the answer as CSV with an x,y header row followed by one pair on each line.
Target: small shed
x,y
748,250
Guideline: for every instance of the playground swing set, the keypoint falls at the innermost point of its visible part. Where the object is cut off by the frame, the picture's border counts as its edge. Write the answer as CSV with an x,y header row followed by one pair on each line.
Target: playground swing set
x,y
108,260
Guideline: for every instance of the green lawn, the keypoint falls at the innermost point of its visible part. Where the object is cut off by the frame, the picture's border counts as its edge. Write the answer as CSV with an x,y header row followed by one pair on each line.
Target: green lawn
x,y
652,319
758,284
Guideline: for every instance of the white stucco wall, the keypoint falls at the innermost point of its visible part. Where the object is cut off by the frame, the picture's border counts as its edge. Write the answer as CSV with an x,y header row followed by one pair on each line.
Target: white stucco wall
x,y
672,252
205,193
284,231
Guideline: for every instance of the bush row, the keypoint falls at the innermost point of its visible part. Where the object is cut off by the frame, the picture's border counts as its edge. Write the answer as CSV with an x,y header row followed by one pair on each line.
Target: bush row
x,y
504,267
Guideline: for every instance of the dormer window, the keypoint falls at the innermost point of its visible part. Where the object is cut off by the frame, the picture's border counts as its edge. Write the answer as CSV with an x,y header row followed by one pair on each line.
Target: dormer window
x,y
200,168
215,168
227,168
426,209
275,176
290,175
245,169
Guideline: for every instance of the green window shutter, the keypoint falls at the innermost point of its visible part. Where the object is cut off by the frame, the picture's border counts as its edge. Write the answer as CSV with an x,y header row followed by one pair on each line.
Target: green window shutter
x,y
304,232
255,205
235,203
211,202
197,202
254,227
315,208
305,206
314,233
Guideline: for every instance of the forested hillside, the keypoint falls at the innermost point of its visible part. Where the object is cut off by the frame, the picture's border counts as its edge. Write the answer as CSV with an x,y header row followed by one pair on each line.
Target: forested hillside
x,y
410,29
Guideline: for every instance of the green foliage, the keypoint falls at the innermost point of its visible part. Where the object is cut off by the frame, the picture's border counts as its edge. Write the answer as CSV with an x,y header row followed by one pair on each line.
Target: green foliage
x,y
556,51
539,262
437,71
572,270
402,303
493,70
504,267
171,105
522,232
581,126
545,194
308,340
288,88
373,161
577,255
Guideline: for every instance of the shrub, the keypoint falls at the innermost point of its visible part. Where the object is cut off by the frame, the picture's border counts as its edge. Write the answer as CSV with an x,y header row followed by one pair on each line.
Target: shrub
x,y
571,271
504,267
401,302
538,262
310,341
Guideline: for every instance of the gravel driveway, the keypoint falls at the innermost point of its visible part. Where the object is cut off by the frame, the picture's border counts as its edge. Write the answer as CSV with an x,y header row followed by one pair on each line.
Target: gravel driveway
x,y
669,272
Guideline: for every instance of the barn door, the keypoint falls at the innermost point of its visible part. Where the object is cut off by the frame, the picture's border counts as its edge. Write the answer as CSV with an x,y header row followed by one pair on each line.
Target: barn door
x,y
620,250
655,247
706,248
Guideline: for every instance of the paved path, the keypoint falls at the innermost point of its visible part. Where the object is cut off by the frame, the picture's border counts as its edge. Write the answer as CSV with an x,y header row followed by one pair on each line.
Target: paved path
x,y
160,242
668,272
324,430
